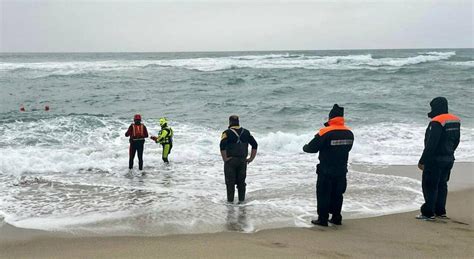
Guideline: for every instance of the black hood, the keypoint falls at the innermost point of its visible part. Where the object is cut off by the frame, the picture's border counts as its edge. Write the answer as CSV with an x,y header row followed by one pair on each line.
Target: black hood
x,y
439,105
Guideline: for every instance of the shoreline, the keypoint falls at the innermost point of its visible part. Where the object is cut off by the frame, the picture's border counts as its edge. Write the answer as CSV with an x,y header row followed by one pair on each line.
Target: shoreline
x,y
394,235
462,174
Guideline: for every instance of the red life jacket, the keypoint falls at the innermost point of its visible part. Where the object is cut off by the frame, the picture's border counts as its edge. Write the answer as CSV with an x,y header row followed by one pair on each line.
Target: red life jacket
x,y
137,131
336,123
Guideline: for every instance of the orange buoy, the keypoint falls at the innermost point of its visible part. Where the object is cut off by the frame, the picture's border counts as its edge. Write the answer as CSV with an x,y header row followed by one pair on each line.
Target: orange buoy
x,y
46,107
22,108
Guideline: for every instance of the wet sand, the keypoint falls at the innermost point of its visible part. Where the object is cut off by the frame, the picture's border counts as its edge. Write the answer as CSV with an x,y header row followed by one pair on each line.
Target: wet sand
x,y
462,175
398,235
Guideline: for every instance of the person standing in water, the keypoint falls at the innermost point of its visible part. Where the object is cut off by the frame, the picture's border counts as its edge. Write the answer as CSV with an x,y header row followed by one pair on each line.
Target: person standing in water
x,y
441,140
234,151
333,142
137,133
165,138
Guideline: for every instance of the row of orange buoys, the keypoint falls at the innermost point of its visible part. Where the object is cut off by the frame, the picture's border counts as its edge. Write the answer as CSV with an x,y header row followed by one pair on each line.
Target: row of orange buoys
x,y
22,108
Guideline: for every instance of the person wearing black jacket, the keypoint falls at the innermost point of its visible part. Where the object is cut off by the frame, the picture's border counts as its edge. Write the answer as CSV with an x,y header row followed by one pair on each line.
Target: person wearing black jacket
x,y
441,140
234,151
333,142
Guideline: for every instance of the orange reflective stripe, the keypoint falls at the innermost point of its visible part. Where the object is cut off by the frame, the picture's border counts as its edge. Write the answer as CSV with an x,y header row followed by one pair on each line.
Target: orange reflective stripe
x,y
446,118
336,123
331,128
140,130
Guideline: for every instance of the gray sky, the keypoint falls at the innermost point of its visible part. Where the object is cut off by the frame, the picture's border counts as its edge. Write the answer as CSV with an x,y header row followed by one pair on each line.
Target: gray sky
x,y
107,25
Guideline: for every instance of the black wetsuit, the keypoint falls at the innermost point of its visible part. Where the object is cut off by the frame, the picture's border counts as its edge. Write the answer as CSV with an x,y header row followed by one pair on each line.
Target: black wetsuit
x,y
235,169
333,144
441,140
137,141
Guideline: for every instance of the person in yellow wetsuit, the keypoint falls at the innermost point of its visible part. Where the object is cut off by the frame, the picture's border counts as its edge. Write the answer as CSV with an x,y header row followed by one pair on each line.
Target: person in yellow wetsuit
x,y
165,138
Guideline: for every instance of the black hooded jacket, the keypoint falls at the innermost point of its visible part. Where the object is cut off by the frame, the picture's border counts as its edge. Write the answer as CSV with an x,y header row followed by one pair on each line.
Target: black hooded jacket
x,y
442,135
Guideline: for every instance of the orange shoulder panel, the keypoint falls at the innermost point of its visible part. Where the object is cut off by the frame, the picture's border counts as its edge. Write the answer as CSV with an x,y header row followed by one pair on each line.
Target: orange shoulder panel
x,y
447,117
331,128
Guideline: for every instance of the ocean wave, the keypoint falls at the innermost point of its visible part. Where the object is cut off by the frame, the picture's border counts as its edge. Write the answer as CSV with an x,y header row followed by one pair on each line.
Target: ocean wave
x,y
235,81
282,90
70,173
76,142
162,207
268,61
463,63
423,58
85,74
119,211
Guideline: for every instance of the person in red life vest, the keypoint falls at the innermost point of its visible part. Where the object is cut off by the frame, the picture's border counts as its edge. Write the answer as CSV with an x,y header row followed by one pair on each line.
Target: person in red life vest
x,y
333,142
441,140
137,133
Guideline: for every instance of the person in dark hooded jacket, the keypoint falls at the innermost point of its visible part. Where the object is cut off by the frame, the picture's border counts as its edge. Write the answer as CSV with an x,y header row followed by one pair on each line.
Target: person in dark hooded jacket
x,y
333,142
441,140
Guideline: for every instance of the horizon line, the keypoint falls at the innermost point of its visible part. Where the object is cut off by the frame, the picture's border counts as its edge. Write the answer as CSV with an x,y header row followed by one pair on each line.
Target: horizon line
x,y
220,51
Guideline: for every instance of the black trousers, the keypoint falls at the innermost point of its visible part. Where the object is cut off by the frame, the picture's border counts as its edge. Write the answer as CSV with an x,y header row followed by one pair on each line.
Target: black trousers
x,y
329,194
136,147
235,171
435,188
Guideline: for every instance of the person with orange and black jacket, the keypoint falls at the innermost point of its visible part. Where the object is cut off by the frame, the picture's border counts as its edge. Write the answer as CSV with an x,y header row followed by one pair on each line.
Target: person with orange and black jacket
x,y
441,140
137,133
333,142
234,151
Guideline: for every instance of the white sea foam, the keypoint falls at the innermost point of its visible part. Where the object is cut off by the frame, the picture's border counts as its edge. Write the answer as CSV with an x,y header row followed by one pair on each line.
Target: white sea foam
x,y
68,173
463,63
270,61
71,143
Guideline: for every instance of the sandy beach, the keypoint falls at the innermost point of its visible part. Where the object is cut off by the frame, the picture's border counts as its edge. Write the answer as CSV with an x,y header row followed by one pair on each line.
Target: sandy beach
x,y
398,235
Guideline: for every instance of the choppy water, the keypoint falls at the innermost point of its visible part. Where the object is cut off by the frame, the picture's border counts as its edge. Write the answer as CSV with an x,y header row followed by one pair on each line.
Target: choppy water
x,y
65,169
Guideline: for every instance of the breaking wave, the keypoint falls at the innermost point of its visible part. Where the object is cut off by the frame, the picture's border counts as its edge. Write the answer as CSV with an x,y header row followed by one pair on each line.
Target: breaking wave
x,y
77,142
209,64
463,63
70,173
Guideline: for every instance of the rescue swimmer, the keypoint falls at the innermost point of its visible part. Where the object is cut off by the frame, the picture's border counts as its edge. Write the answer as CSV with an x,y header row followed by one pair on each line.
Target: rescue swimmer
x,y
165,138
333,142
137,133
234,151
441,140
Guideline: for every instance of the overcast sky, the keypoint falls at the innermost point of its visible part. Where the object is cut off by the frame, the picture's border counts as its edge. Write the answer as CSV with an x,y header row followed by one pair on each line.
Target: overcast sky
x,y
107,25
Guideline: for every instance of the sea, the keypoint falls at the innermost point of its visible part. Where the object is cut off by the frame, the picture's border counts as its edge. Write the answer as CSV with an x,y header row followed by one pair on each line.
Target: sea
x,y
66,169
